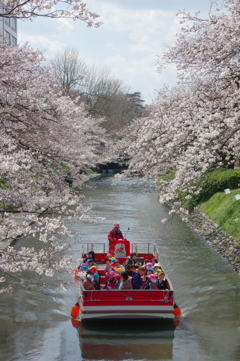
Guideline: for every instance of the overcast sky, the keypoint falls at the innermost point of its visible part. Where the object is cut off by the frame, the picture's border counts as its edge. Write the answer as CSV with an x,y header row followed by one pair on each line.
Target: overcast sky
x,y
133,34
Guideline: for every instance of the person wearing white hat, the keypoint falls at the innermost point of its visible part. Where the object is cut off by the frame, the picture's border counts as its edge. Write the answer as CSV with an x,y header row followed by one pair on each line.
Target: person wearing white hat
x,y
157,268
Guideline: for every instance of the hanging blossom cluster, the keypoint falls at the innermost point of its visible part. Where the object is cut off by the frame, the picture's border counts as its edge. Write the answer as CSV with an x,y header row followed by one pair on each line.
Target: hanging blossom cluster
x,y
43,135
195,126
30,9
14,263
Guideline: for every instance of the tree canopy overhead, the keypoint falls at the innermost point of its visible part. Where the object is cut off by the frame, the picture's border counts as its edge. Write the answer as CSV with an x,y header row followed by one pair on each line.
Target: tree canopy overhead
x,y
195,126
30,9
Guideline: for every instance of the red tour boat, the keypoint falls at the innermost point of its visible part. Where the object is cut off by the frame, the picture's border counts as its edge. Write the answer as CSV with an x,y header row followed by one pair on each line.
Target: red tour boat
x,y
123,303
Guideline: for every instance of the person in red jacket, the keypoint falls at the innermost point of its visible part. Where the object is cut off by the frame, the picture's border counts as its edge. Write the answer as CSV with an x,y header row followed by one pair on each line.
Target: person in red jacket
x,y
115,233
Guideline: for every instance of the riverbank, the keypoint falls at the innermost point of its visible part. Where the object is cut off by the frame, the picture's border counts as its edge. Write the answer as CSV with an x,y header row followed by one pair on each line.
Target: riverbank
x,y
84,179
216,213
220,240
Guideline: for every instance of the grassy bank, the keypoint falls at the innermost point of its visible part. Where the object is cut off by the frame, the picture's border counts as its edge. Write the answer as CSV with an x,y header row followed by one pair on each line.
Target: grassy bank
x,y
224,210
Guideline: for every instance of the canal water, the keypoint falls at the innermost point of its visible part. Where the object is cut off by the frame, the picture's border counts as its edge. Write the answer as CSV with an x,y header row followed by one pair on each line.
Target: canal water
x,y
35,323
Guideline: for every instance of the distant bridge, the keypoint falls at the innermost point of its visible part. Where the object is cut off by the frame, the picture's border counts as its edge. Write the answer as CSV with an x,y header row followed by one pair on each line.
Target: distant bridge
x,y
112,167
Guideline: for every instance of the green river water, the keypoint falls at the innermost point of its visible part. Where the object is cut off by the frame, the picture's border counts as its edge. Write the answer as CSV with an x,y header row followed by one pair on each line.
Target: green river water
x,y
35,324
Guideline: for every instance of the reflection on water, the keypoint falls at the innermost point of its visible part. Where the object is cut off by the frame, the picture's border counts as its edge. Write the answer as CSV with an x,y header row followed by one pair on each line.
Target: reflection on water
x,y
35,324
127,339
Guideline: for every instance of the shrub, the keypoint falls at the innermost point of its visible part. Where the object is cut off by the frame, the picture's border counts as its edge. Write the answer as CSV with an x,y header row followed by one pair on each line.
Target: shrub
x,y
166,177
217,181
214,182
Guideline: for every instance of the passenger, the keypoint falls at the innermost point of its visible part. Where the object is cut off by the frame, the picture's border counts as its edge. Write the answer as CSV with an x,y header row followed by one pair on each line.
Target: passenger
x,y
119,265
84,264
88,283
150,271
83,272
153,282
149,265
157,268
96,281
154,260
108,267
115,233
130,261
109,255
162,282
119,270
93,269
132,270
137,281
91,263
90,255
147,280
112,259
125,283
118,280
110,280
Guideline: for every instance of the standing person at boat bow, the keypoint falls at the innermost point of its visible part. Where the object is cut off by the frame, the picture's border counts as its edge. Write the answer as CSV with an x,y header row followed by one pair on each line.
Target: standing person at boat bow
x,y
115,233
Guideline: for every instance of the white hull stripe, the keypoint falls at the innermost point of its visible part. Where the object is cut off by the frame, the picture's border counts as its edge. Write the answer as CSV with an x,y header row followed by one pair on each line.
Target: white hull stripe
x,y
127,308
123,315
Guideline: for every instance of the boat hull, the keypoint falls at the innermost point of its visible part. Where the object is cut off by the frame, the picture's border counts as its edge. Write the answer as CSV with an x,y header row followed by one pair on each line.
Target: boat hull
x,y
126,304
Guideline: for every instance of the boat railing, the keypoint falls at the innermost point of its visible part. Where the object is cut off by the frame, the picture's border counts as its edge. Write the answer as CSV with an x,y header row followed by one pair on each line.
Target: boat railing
x,y
96,247
138,247
149,248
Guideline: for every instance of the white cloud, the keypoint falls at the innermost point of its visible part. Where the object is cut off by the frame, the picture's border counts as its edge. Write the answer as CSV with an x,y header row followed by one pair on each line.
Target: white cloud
x,y
148,29
141,74
110,46
120,65
41,42
64,24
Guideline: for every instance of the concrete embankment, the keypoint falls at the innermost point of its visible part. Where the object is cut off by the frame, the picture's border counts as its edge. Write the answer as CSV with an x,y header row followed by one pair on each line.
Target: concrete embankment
x,y
221,241
84,179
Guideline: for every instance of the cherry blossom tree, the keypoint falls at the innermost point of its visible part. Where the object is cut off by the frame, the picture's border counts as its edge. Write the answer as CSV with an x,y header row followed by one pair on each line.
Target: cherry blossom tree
x,y
44,134
194,127
46,129
30,9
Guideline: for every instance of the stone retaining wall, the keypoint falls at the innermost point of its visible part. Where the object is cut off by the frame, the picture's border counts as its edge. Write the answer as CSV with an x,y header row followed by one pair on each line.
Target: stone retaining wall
x,y
221,241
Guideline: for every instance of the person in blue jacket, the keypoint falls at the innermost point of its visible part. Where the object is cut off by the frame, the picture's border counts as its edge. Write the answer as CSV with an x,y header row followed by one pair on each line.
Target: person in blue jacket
x,y
137,281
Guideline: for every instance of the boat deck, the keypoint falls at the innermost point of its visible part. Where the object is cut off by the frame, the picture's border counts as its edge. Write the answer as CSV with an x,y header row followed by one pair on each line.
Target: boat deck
x,y
121,304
